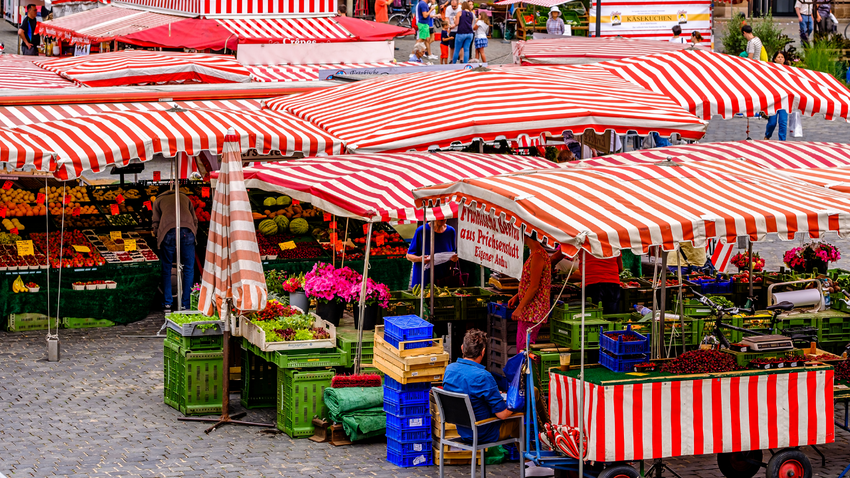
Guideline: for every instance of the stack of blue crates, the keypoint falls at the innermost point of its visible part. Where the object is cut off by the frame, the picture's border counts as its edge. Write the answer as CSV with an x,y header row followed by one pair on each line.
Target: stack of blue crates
x,y
620,355
408,405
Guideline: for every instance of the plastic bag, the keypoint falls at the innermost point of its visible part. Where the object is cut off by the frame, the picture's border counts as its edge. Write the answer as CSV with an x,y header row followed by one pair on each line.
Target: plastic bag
x,y
516,390
795,124
513,365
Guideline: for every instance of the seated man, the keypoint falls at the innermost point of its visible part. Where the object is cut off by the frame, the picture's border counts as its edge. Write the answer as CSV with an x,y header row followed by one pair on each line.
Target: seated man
x,y
468,376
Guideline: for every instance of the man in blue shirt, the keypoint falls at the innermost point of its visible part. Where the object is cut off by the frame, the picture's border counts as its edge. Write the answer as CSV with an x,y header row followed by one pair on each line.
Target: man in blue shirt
x,y
445,240
425,20
468,376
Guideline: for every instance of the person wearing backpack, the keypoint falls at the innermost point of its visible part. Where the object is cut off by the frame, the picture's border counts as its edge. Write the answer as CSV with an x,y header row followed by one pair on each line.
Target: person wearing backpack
x,y
755,49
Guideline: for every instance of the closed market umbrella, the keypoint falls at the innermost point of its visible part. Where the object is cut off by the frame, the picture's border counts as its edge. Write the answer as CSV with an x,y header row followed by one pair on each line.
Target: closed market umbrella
x,y
233,275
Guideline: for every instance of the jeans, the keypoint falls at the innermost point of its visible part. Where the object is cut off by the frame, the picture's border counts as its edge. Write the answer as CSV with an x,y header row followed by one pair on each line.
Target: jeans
x,y
187,257
807,26
659,141
608,293
782,116
462,40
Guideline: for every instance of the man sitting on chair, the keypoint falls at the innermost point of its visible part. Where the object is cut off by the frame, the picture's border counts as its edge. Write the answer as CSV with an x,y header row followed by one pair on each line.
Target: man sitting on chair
x,y
468,376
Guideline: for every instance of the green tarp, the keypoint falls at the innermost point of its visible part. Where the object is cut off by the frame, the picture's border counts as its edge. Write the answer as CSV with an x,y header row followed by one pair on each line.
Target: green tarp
x,y
359,409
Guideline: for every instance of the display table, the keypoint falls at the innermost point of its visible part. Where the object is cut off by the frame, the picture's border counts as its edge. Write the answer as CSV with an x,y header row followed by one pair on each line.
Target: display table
x,y
655,415
130,301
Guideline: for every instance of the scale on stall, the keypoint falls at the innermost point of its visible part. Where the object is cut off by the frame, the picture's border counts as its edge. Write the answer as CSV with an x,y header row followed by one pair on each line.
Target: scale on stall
x,y
768,343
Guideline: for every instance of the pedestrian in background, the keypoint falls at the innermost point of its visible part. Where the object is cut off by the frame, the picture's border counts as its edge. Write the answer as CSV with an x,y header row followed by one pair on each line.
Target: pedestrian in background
x,y
555,25
382,10
29,39
450,17
781,116
463,38
164,224
804,15
677,35
425,21
447,43
755,50
482,27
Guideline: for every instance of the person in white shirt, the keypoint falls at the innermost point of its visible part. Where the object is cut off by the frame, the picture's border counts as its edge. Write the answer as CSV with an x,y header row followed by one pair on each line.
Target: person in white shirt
x,y
754,45
451,18
482,27
677,35
807,23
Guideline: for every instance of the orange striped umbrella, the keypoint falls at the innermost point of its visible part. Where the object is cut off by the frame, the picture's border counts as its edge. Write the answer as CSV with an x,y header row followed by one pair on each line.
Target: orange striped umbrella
x,y
232,270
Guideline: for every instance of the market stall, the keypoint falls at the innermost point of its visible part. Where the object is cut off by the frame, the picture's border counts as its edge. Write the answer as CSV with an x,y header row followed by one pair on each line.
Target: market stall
x,y
584,50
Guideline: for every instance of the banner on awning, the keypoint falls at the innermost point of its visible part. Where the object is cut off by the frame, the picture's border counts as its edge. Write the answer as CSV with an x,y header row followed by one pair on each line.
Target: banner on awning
x,y
490,241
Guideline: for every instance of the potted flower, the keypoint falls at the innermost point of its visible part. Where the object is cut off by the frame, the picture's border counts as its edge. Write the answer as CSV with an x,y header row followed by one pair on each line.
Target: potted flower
x,y
811,257
297,298
742,262
377,299
332,289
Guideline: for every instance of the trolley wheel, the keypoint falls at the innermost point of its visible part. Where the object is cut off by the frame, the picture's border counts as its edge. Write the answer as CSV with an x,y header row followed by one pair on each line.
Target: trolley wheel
x,y
619,471
789,463
739,464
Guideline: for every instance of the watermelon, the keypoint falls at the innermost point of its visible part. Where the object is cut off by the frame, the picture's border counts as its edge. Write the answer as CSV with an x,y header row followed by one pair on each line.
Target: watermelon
x,y
299,226
284,201
269,202
282,222
267,227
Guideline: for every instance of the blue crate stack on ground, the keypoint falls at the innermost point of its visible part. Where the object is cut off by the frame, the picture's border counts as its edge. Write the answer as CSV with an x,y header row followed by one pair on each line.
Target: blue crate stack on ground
x,y
620,355
408,404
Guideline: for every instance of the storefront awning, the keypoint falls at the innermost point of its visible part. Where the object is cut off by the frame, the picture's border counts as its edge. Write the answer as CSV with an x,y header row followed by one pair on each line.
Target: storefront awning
x,y
103,24
195,33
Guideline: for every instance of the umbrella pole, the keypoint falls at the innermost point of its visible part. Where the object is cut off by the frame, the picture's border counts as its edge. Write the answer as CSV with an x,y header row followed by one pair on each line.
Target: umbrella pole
x,y
431,261
422,270
177,235
362,305
662,282
750,268
581,369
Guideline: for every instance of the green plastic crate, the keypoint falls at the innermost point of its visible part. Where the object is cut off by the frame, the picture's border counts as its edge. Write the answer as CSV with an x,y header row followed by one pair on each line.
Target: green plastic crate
x,y
80,323
744,358
317,358
401,303
568,333
25,322
300,397
546,361
192,380
694,309
195,343
835,329
346,341
474,306
567,312
259,382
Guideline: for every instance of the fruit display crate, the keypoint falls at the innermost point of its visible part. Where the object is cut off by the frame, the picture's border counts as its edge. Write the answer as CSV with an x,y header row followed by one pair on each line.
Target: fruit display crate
x,y
25,322
744,358
694,331
835,328
616,343
620,363
192,380
299,358
257,336
300,397
694,309
195,343
85,323
572,311
568,333
402,302
474,302
407,328
543,361
259,382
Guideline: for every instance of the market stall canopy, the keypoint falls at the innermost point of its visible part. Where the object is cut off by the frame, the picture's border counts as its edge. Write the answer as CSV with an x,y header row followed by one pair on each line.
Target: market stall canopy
x,y
426,110
133,67
21,151
837,179
103,24
282,73
377,187
277,30
539,3
604,210
195,33
17,72
365,30
581,50
97,141
709,84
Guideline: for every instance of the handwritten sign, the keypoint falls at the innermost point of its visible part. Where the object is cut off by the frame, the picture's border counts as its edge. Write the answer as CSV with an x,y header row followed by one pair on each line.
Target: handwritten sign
x,y
14,230
296,202
327,217
39,198
205,192
3,212
7,185
76,211
379,240
365,229
113,208
67,199
600,142
129,245
157,176
490,241
25,248
115,235
119,199
332,225
147,204
81,248
285,246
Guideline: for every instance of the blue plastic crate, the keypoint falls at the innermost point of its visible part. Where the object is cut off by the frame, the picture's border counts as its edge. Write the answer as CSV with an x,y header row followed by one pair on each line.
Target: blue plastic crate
x,y
417,397
499,310
405,448
513,451
407,327
717,287
620,347
620,364
410,435
407,409
410,422
410,460
391,384
416,345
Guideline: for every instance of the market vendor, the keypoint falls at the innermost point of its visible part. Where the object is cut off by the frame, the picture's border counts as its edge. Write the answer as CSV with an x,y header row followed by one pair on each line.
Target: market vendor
x,y
602,281
165,230
445,240
691,258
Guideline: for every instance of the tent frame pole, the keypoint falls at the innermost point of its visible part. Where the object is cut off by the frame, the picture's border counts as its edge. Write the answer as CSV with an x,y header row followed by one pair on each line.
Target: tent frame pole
x,y
362,305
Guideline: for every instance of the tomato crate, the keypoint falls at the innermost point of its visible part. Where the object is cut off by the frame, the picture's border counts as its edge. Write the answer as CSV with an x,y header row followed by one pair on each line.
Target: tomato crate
x,y
401,302
196,342
192,379
835,329
572,311
85,323
716,286
259,382
691,335
618,346
568,333
300,397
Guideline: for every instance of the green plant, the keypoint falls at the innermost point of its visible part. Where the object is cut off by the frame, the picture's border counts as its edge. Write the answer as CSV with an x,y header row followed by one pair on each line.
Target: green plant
x,y
822,55
764,28
733,40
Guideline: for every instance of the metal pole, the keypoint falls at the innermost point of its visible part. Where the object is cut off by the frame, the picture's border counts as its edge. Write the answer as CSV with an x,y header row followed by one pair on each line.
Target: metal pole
x,y
652,327
225,356
598,26
581,371
681,306
177,236
431,262
422,271
357,360
662,280
750,260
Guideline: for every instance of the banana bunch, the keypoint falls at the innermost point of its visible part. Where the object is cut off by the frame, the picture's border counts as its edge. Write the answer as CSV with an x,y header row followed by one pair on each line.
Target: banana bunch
x,y
18,286
417,289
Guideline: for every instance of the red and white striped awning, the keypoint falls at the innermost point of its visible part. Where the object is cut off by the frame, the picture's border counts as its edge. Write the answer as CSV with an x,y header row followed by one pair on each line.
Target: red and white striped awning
x,y
377,187
709,84
21,151
133,67
582,50
837,179
18,72
103,24
539,3
420,111
282,73
287,30
604,210
97,141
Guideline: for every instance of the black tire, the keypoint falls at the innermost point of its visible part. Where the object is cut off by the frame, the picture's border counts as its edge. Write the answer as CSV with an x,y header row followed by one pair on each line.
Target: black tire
x,y
394,20
619,471
789,463
738,464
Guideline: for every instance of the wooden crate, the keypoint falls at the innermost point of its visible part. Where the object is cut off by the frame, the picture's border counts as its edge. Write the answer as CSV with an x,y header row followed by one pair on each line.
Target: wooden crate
x,y
403,351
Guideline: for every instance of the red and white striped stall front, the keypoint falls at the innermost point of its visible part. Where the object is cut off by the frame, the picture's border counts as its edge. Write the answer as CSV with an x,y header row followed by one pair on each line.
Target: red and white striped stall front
x,y
631,419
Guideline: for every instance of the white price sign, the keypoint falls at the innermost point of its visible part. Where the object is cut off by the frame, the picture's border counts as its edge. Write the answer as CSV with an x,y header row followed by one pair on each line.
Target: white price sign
x,y
489,241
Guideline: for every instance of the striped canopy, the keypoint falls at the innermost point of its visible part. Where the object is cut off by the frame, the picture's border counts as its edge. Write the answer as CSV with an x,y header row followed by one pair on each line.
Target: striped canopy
x,y
261,30
606,209
580,50
97,141
103,24
837,179
232,268
17,72
281,73
426,110
132,67
20,151
377,187
709,84
539,3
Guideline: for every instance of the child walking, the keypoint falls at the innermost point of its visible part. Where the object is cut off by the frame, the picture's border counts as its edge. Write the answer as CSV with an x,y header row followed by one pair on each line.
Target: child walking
x,y
482,27
447,42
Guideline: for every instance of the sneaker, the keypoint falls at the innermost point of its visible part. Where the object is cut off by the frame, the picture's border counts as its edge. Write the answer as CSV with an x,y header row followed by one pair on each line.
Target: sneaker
x,y
433,57
166,309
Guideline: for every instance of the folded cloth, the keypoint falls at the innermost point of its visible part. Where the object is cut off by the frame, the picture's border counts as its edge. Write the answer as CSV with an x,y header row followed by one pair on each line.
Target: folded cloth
x,y
359,409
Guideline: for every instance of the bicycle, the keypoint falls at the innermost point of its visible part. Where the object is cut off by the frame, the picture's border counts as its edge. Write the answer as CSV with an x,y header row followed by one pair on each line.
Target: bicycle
x,y
402,17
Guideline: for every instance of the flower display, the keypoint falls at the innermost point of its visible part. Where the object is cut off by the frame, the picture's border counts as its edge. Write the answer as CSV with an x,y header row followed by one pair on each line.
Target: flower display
x,y
294,284
742,261
805,257
376,293
326,283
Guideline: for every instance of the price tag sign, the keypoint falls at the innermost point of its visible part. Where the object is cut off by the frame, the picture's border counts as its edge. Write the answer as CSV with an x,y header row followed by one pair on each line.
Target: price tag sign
x,y
3,212
25,248
339,246
205,192
14,230
285,246
334,237
129,245
296,202
157,176
39,198
332,225
76,211
115,235
119,199
379,240
365,229
148,205
327,217
113,208
7,185
81,248
67,200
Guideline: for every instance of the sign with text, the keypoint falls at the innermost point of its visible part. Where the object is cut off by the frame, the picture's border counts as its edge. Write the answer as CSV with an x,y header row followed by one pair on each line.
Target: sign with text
x,y
653,20
489,241
600,142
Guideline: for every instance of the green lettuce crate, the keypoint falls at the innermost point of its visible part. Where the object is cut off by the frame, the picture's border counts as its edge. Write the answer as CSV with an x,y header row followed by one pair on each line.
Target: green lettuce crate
x,y
572,311
25,322
315,358
196,342
568,333
81,323
259,382
192,380
300,397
